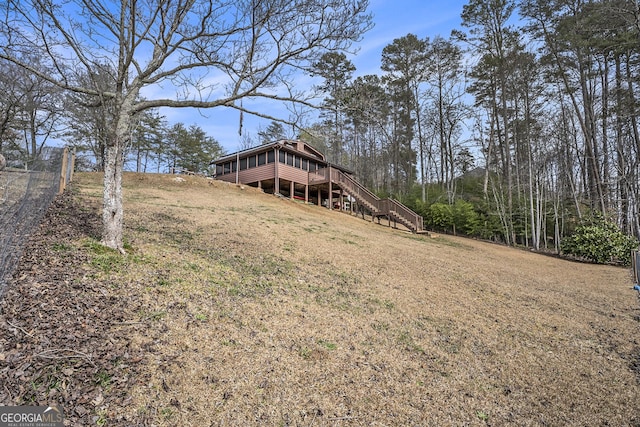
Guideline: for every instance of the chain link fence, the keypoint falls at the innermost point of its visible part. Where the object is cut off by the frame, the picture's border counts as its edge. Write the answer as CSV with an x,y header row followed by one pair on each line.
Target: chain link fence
x,y
25,195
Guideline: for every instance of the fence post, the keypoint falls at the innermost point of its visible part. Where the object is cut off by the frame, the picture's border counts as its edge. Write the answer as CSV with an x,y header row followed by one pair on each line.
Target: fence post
x,y
71,165
63,171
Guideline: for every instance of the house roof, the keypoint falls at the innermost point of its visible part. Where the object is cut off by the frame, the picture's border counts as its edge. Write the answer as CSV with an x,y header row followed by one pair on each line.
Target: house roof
x,y
298,147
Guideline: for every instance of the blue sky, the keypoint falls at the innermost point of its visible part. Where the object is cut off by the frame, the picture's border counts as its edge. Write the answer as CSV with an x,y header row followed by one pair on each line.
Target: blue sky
x,y
395,19
392,19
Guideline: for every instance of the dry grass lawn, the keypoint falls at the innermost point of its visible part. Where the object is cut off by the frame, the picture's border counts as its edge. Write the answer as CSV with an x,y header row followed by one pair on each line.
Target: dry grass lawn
x,y
260,311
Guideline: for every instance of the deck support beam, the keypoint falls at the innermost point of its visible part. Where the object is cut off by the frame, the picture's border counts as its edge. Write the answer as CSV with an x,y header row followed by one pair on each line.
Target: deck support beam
x,y
276,185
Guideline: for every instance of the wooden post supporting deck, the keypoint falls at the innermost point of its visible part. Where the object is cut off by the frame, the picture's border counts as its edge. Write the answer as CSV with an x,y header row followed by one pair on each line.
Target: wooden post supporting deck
x,y
237,168
330,190
276,185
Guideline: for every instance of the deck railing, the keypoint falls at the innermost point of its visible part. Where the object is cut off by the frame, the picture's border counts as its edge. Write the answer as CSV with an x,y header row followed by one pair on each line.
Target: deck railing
x,y
378,207
319,176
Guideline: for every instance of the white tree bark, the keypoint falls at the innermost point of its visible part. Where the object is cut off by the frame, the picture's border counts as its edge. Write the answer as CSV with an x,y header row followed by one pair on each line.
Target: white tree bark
x,y
113,212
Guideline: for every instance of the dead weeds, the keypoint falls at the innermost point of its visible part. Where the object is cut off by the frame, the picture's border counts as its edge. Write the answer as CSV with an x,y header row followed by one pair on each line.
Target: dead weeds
x,y
238,308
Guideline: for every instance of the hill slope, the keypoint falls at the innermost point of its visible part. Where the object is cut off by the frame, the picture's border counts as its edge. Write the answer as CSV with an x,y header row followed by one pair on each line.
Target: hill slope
x,y
238,308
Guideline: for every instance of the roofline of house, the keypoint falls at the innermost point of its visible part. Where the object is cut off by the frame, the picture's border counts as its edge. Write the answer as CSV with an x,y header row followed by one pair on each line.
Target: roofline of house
x,y
266,147
245,151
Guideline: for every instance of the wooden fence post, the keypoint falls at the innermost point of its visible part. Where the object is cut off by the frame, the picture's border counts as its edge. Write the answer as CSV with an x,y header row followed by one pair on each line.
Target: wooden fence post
x,y
63,171
72,166
66,169
635,264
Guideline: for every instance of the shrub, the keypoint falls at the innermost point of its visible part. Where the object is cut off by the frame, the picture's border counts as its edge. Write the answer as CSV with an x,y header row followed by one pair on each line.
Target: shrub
x,y
459,217
440,216
601,241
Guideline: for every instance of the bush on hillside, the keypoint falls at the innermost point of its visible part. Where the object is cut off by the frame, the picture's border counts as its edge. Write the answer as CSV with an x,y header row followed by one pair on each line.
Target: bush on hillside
x,y
459,217
601,241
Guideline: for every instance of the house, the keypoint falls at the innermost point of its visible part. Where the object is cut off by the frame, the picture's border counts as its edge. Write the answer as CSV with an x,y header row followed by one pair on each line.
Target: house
x,y
296,170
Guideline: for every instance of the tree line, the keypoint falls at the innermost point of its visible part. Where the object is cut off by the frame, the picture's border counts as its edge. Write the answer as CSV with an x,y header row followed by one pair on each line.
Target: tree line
x,y
518,127
35,111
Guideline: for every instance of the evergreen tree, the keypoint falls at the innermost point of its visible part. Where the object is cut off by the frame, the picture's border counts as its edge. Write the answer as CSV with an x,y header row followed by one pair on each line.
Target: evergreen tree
x,y
405,63
191,150
273,132
337,71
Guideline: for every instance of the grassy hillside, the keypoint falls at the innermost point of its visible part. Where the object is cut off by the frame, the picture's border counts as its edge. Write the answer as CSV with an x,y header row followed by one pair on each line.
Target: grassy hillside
x,y
238,308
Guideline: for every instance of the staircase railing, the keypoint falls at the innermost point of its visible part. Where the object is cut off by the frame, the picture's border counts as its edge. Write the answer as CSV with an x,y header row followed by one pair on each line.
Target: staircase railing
x,y
378,207
404,212
356,189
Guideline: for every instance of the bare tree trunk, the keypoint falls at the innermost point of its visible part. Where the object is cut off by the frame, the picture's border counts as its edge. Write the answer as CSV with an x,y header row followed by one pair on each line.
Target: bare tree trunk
x,y
533,203
32,135
113,213
604,125
423,184
489,152
634,117
592,157
634,172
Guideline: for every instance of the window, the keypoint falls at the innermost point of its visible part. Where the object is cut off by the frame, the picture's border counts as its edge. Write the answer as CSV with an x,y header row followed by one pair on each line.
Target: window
x,y
281,156
262,159
271,157
290,159
305,164
313,166
297,161
227,168
243,164
234,166
218,169
252,161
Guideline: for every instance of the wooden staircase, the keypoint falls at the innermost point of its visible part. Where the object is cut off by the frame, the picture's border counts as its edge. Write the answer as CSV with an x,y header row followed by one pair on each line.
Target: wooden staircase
x,y
390,208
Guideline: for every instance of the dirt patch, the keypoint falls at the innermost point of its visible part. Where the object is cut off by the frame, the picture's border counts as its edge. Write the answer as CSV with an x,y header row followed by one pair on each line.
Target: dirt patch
x,y
239,308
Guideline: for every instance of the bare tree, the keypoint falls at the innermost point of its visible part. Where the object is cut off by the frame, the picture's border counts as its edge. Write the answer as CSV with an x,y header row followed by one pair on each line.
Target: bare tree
x,y
91,117
39,112
183,53
30,110
10,99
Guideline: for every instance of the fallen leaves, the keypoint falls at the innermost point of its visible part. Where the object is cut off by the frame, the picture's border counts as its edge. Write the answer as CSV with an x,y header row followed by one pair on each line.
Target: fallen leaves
x,y
59,326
